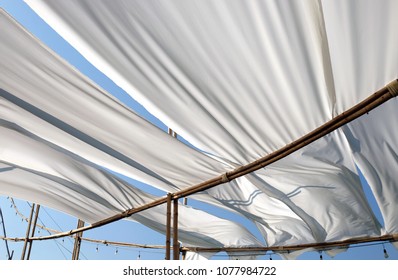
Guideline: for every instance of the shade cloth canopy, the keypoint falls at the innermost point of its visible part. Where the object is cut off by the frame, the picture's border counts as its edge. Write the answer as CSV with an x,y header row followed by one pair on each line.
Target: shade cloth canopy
x,y
238,80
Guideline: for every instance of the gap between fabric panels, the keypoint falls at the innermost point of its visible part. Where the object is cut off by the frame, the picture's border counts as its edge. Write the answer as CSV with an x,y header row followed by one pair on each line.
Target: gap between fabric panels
x,y
375,100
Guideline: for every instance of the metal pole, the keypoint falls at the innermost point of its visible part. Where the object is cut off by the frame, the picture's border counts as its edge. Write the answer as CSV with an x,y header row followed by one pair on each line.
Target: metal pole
x,y
292,248
168,226
9,256
33,230
27,233
175,219
176,244
172,133
78,240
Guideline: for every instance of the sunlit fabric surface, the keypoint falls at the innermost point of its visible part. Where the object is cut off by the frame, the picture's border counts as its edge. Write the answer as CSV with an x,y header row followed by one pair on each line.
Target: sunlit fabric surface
x,y
238,79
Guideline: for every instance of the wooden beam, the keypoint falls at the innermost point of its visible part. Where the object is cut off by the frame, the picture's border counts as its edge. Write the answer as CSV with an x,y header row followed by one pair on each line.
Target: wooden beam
x,y
78,240
33,230
124,244
176,244
315,246
105,242
168,226
27,232
9,255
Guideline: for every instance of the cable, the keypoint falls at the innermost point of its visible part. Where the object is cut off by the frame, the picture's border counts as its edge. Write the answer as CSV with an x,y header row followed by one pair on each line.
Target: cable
x,y
88,239
55,222
42,226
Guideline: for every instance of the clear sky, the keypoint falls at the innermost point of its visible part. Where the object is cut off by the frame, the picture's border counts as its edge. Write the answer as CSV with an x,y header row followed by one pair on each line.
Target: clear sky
x,y
124,231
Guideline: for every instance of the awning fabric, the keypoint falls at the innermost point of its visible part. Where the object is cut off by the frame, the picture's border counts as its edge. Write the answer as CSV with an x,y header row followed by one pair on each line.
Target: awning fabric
x,y
238,80
37,171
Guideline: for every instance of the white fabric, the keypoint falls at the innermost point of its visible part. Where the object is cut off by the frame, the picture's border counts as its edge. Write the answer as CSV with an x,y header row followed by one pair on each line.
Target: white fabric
x,y
363,44
236,88
334,252
49,98
374,142
313,195
292,255
31,169
242,256
319,183
194,256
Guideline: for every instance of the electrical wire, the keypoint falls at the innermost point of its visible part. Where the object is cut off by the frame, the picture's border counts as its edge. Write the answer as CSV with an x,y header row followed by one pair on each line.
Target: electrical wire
x,y
116,243
57,243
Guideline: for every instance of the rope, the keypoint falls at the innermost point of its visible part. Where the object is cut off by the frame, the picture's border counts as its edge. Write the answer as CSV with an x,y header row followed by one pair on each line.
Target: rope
x,y
393,88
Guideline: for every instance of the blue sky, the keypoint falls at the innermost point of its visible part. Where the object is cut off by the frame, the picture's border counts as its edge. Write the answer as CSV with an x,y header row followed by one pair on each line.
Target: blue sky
x,y
120,231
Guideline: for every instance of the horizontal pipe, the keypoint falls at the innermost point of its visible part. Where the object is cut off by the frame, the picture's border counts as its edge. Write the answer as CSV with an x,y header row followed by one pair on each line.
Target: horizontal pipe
x,y
315,246
124,244
105,242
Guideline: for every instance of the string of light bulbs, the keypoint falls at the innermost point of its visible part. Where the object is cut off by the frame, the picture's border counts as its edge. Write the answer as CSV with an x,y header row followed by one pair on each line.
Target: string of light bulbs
x,y
106,242
117,244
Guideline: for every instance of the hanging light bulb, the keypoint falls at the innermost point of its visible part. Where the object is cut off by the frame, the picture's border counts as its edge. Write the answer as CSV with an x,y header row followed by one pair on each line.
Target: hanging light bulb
x,y
320,255
117,251
270,257
96,249
386,256
139,255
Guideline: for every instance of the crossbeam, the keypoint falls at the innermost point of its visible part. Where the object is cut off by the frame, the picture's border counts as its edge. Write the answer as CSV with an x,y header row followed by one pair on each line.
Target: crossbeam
x,y
323,246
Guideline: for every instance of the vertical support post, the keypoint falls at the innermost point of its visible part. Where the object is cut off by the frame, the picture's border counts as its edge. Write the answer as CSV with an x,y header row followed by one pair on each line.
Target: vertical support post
x,y
33,230
172,133
168,226
78,240
175,220
176,244
9,256
27,233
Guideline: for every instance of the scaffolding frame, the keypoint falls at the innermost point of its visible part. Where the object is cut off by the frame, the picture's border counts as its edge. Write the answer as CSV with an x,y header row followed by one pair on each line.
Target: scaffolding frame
x,y
171,199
